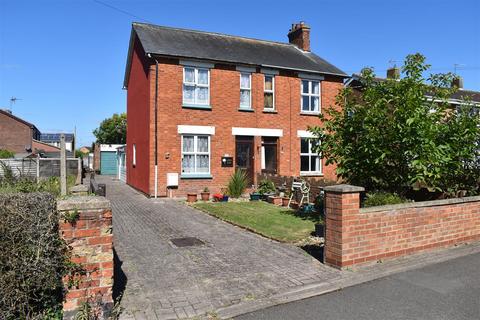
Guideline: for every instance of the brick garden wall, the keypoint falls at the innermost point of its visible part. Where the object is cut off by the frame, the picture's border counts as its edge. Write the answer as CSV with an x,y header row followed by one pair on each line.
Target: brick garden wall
x,y
91,240
357,235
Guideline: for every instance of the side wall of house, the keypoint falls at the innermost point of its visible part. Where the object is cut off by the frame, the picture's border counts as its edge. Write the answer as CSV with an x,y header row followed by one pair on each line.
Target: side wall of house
x,y
138,121
225,114
15,136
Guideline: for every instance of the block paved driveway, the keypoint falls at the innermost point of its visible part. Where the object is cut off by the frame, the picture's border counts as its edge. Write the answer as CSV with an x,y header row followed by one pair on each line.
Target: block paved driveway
x,y
161,281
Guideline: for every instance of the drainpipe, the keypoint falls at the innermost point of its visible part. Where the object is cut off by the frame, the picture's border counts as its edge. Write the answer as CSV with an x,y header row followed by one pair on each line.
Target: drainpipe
x,y
156,128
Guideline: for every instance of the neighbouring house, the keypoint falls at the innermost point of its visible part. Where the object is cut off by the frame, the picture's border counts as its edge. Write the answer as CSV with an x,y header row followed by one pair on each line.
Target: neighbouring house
x,y
54,140
105,158
201,104
16,134
458,98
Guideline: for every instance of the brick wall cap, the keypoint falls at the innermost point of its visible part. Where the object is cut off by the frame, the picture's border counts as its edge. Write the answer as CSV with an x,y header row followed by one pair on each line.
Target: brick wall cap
x,y
343,188
422,204
83,203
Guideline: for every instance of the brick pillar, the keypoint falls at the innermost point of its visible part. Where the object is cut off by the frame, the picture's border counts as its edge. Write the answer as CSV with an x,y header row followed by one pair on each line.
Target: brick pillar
x,y
342,206
90,237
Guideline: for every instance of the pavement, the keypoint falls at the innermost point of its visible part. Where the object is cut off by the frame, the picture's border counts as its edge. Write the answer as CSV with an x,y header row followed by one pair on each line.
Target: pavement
x,y
448,290
232,273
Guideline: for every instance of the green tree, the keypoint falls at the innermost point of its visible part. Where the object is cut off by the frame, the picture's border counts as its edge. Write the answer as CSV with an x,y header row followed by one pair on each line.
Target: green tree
x,y
402,133
112,130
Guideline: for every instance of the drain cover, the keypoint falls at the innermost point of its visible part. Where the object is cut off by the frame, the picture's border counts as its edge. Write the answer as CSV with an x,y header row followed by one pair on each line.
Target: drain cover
x,y
187,242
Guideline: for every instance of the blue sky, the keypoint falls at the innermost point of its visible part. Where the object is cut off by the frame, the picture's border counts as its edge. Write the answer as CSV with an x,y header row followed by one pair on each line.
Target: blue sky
x,y
65,59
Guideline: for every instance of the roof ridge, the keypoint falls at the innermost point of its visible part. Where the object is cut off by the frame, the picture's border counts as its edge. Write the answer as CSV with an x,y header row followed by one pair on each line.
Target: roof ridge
x,y
214,33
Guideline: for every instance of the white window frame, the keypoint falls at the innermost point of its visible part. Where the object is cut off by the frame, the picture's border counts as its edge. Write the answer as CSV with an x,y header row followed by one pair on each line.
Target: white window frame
x,y
196,85
269,91
134,158
246,89
309,95
310,154
195,152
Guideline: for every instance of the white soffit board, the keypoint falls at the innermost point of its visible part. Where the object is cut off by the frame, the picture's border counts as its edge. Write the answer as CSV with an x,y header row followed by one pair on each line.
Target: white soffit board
x,y
110,147
183,129
305,134
195,63
260,132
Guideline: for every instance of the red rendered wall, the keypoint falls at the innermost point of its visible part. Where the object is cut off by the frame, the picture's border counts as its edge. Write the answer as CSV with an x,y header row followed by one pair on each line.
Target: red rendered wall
x,y
138,120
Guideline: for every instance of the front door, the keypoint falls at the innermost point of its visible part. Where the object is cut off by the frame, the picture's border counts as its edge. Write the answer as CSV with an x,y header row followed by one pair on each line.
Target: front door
x,y
244,155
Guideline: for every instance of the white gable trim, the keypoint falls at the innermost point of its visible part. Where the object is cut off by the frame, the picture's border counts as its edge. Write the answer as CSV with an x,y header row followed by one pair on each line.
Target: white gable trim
x,y
186,129
260,132
110,147
305,134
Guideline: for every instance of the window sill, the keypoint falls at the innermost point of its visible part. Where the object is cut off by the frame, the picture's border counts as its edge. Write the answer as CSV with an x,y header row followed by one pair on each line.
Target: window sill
x,y
196,176
196,106
269,111
311,174
304,113
246,109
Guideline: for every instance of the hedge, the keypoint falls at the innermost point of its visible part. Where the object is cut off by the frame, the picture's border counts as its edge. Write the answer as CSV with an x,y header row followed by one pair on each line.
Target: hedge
x,y
32,256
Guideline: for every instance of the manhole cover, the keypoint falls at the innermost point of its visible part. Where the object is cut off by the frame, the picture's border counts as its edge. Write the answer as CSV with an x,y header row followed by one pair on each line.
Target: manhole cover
x,y
187,242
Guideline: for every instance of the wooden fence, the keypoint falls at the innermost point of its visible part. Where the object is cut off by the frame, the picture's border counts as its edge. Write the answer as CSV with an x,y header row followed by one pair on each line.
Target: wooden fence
x,y
40,167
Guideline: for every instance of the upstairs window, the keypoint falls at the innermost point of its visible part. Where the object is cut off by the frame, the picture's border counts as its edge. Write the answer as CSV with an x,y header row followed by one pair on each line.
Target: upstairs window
x,y
310,162
245,91
195,154
310,96
269,93
196,86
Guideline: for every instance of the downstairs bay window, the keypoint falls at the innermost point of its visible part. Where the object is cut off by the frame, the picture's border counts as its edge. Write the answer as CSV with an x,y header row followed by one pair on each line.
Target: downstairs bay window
x,y
310,161
195,155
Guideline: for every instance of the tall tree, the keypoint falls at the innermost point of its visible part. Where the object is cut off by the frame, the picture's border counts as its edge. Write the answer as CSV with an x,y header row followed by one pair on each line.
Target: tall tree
x,y
112,130
403,133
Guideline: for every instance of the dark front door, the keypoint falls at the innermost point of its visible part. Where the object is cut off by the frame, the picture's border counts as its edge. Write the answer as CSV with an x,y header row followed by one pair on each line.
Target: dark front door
x,y
244,155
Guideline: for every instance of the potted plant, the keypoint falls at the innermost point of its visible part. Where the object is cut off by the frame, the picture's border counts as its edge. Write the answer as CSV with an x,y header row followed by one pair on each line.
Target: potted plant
x,y
285,201
205,194
320,229
191,197
266,188
217,197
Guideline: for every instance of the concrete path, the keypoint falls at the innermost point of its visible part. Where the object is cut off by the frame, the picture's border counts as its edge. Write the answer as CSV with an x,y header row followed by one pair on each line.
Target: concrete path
x,y
448,290
233,267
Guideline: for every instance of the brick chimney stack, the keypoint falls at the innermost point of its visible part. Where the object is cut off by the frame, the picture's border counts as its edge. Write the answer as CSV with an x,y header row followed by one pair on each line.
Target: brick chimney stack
x,y
457,82
393,73
299,35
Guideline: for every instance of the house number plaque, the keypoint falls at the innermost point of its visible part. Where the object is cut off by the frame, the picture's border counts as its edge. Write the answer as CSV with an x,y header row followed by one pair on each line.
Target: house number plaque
x,y
227,161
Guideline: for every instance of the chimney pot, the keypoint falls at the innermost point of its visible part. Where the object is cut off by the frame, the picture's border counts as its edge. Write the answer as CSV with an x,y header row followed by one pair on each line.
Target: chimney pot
x,y
299,35
393,73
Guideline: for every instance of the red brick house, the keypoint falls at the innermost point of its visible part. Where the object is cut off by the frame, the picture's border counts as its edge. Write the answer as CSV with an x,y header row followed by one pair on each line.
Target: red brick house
x,y
201,104
16,134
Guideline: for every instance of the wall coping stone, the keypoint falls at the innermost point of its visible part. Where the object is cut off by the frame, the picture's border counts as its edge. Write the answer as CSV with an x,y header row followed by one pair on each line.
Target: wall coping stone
x,y
421,204
79,188
343,188
83,203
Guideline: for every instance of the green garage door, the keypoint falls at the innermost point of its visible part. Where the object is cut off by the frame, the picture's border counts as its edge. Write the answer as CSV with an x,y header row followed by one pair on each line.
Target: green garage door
x,y
108,163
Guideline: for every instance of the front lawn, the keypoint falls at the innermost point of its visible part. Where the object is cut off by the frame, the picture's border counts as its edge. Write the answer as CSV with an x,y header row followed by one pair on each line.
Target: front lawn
x,y
266,219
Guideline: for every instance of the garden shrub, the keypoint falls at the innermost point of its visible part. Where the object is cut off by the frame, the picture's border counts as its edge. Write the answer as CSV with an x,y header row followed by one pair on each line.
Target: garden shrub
x,y
382,198
237,184
6,154
32,257
266,186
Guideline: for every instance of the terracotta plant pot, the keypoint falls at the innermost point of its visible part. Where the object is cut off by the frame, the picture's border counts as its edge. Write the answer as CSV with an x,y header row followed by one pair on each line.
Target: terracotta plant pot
x,y
285,201
275,200
192,197
294,205
205,196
